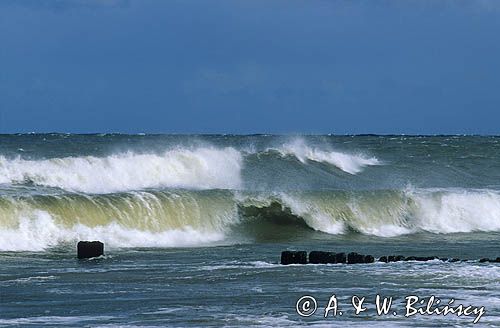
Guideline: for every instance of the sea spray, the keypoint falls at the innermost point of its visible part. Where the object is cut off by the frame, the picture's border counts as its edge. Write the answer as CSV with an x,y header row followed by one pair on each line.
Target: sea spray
x,y
349,163
199,168
188,217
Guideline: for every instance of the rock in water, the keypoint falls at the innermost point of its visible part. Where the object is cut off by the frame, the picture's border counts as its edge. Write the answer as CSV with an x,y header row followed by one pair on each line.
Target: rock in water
x,y
293,257
88,249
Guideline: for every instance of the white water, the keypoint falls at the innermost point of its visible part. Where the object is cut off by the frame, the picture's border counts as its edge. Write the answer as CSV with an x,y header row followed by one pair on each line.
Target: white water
x,y
350,163
40,231
436,211
458,211
201,168
24,226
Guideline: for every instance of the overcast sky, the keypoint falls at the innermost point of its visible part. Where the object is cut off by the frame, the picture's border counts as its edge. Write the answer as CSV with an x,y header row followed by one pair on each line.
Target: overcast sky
x,y
311,66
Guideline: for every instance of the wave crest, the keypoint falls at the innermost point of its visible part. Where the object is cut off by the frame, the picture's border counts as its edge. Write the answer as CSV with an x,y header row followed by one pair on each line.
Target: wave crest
x,y
202,168
188,218
349,163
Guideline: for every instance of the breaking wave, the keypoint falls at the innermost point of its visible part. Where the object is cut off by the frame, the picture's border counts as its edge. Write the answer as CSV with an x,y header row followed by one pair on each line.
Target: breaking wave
x,y
199,168
350,163
204,217
202,168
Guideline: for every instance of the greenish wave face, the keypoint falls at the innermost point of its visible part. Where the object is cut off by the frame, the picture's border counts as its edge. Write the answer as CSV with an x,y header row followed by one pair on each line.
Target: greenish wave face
x,y
168,191
191,218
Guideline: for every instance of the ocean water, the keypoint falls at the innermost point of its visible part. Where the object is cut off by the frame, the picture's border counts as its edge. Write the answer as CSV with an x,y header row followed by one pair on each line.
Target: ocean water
x,y
194,226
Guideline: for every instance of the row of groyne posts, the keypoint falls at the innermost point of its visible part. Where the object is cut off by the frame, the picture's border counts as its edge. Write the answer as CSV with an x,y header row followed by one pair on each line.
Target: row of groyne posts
x,y
91,249
320,257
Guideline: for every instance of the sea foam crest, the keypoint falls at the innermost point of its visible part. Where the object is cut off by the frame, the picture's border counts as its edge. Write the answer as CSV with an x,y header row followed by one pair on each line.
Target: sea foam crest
x,y
452,211
189,218
201,168
350,163
40,231
405,212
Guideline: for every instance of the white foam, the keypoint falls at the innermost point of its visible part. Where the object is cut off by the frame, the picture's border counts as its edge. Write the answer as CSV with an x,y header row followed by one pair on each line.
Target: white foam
x,y
27,280
457,211
436,211
350,163
32,226
40,231
240,265
385,230
313,215
201,168
58,320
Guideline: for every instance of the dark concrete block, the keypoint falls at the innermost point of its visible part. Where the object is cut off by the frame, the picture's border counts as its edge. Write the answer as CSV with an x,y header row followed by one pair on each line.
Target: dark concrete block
x,y
89,249
383,259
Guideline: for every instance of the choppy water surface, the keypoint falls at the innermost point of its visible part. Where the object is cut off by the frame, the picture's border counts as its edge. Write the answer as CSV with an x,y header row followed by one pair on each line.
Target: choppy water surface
x,y
194,226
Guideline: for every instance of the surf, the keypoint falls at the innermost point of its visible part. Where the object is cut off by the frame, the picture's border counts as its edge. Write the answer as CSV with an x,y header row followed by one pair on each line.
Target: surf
x,y
180,218
349,163
198,168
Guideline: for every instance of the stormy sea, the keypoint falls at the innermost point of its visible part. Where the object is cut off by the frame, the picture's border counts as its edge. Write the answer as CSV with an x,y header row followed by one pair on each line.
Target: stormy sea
x,y
194,225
